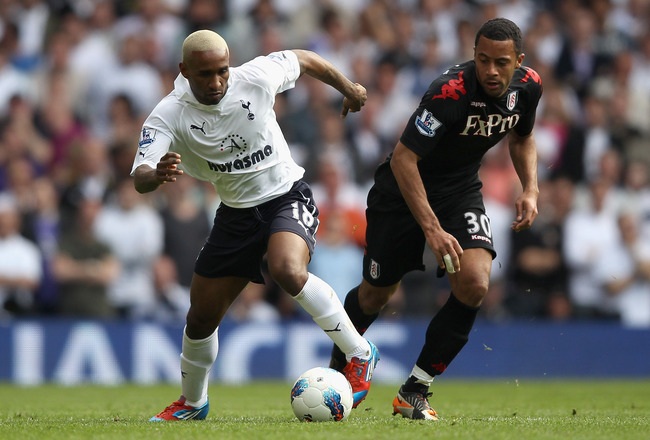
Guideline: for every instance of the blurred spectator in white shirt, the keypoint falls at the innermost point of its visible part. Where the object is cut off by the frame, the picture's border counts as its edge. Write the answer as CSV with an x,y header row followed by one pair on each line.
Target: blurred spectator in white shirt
x,y
589,235
625,273
134,232
20,262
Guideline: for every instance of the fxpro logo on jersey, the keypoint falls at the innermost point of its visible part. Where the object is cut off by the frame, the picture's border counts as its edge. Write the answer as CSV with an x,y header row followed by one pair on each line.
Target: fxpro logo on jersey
x,y
476,126
427,124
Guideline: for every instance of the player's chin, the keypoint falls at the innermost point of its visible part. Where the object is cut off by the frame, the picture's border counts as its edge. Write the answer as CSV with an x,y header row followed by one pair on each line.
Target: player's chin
x,y
495,93
212,99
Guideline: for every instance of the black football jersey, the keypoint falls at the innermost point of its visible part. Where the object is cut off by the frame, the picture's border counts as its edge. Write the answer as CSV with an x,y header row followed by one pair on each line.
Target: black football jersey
x,y
456,123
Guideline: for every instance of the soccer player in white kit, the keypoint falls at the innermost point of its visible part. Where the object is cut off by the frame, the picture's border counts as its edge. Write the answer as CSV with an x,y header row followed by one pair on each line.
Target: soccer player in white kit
x,y
218,125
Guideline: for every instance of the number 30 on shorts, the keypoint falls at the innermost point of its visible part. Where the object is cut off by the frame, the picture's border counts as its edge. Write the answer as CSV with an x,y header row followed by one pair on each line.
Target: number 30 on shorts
x,y
477,223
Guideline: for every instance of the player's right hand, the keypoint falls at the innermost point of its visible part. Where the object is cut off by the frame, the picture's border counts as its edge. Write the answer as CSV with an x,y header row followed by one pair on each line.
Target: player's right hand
x,y
355,102
446,247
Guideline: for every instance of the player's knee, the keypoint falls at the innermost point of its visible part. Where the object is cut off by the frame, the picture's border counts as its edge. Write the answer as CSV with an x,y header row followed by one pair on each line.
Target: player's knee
x,y
472,291
200,325
291,275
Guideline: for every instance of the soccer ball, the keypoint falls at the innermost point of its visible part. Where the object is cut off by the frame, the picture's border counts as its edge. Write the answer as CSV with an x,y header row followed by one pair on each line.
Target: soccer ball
x,y
320,395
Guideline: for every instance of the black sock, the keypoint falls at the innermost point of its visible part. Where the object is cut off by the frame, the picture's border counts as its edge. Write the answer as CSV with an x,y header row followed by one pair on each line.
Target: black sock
x,y
360,320
447,334
413,386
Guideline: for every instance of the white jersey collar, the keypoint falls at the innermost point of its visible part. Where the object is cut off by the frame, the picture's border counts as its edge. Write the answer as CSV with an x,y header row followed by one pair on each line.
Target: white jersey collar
x,y
184,93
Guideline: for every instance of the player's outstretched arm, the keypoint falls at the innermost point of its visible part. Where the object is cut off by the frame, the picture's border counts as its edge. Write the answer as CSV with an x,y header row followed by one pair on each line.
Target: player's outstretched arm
x,y
523,152
147,179
318,67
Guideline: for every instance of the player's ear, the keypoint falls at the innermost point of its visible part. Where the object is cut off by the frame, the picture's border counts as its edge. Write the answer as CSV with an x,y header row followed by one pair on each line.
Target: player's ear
x,y
183,70
520,60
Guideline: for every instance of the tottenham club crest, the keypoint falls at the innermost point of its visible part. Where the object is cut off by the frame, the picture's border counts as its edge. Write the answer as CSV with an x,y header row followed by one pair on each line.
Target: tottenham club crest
x,y
246,105
427,124
511,101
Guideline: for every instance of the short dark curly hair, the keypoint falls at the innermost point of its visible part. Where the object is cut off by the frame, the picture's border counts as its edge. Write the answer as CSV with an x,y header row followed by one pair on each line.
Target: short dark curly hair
x,y
501,29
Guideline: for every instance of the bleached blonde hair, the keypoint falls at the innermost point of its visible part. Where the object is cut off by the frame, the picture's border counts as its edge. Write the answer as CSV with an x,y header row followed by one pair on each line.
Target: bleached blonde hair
x,y
203,40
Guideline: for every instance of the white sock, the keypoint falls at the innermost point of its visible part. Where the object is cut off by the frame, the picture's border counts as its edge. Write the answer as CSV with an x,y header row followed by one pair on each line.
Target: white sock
x,y
320,301
422,376
197,358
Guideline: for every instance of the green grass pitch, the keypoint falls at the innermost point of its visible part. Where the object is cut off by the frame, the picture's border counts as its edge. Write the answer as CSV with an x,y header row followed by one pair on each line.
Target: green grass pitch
x,y
495,409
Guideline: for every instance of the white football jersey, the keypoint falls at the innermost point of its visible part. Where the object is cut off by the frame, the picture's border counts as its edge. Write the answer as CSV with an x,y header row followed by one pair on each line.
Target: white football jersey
x,y
236,144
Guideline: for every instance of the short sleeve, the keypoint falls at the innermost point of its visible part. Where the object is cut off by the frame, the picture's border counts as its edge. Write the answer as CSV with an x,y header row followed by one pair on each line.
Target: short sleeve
x,y
153,145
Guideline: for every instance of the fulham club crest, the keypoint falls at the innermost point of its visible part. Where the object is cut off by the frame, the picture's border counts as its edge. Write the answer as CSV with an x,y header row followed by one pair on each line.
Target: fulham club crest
x,y
374,269
511,100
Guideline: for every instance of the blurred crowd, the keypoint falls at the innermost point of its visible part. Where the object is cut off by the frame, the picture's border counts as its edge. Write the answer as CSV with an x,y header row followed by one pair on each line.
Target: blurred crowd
x,y
78,77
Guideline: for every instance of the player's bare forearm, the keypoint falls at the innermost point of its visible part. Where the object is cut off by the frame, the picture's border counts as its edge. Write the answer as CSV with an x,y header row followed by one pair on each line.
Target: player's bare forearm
x,y
314,65
144,179
523,153
405,168
18,282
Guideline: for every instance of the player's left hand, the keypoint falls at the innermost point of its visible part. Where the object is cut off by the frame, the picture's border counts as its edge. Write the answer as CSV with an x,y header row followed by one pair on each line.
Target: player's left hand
x,y
167,168
526,206
354,102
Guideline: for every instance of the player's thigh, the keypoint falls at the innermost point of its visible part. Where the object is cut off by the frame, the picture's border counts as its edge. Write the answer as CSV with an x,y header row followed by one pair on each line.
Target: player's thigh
x,y
292,236
287,259
235,246
294,212
465,218
394,246
210,298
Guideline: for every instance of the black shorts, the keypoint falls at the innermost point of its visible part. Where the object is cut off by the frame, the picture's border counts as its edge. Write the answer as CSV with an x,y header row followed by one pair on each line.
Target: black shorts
x,y
239,237
395,241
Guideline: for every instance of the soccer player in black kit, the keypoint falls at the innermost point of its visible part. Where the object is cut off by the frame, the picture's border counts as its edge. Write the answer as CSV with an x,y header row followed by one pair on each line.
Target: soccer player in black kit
x,y
428,192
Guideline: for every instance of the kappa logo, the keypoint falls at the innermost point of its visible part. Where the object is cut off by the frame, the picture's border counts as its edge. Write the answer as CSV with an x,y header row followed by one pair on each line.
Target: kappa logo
x,y
439,367
452,89
531,74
